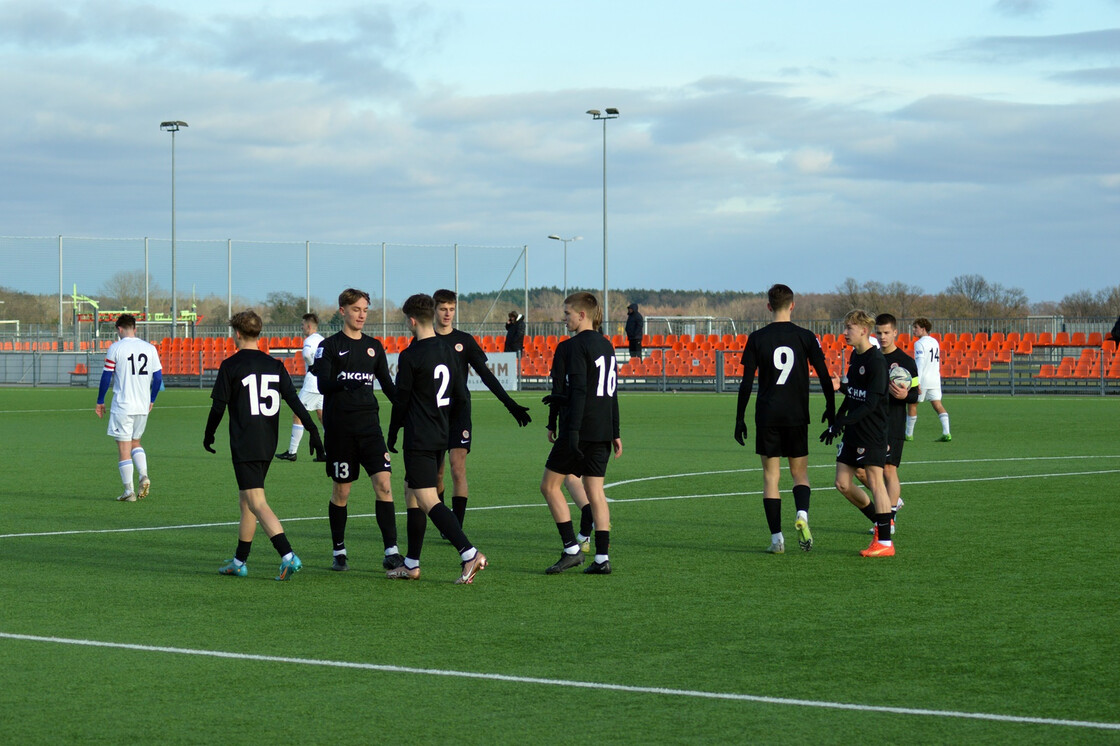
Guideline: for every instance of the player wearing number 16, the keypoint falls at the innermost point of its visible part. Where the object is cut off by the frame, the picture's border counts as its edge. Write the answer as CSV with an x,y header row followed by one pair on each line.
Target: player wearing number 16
x,y
782,352
250,384
588,430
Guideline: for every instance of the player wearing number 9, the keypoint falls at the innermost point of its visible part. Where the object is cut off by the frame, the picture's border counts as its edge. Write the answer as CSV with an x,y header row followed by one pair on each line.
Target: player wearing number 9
x,y
250,385
782,352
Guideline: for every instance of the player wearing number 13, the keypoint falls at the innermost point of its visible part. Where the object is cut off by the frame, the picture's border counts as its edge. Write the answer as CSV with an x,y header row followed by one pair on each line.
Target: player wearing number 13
x,y
782,352
250,384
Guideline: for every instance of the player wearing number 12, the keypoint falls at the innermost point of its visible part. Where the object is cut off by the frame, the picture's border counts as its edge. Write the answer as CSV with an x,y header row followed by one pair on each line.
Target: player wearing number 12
x,y
250,384
782,352
132,367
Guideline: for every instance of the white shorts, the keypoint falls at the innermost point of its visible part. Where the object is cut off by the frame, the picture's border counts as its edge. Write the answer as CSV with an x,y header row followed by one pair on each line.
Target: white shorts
x,y
126,426
313,402
931,394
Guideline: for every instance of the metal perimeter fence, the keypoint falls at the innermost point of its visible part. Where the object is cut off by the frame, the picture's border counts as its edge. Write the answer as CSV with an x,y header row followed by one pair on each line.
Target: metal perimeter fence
x,y
77,268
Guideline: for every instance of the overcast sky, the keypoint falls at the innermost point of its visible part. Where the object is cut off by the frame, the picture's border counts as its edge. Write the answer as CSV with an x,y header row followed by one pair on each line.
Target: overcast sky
x,y
759,142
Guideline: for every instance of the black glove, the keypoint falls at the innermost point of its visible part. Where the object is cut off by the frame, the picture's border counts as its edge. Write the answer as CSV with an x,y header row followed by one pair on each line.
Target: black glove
x,y
829,416
829,435
317,450
740,432
392,442
520,413
208,442
573,444
558,400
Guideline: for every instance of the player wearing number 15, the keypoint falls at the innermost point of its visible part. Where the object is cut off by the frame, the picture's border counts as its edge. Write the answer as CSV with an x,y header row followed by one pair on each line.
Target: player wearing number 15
x,y
250,384
132,367
782,352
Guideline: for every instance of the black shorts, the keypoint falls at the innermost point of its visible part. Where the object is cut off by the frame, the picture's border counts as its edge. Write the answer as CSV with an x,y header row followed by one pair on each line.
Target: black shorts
x,y
421,469
459,430
593,463
787,442
859,456
894,452
250,474
347,453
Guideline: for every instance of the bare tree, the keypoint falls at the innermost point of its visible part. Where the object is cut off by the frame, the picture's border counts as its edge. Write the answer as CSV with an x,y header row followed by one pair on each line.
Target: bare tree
x,y
125,290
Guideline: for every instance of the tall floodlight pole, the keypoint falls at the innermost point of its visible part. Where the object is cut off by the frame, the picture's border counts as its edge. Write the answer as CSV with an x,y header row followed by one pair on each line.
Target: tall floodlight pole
x,y
555,237
609,113
173,127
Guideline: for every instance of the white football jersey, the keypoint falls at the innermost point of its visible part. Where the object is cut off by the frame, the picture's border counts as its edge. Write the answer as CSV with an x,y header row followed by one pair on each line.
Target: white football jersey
x,y
310,347
927,356
132,361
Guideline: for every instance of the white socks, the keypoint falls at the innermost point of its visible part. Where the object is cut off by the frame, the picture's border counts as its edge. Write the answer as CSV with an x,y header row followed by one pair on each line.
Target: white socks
x,y
297,436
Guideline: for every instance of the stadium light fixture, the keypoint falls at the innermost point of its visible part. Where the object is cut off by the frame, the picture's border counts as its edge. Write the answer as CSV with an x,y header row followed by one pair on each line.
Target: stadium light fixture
x,y
173,127
555,237
611,113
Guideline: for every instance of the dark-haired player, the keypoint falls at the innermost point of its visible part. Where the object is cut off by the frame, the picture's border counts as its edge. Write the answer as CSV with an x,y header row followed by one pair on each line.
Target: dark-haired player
x,y
901,394
346,365
782,352
863,420
588,431
429,387
251,384
132,368
468,354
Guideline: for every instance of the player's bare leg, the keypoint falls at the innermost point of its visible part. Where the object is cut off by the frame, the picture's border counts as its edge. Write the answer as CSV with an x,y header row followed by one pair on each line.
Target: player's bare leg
x,y
799,471
772,502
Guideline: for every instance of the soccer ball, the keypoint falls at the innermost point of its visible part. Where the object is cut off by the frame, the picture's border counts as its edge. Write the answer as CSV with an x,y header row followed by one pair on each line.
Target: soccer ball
x,y
899,375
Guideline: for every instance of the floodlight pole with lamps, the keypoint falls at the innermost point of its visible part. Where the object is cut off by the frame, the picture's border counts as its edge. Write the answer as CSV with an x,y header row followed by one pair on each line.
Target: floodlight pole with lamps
x,y
554,237
173,127
608,113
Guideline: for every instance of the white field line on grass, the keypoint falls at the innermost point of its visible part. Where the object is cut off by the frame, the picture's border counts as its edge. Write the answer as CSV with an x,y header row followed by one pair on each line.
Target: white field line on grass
x,y
748,493
658,691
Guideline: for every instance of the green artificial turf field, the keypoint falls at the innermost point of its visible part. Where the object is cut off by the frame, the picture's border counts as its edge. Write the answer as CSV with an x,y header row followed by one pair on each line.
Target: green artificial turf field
x,y
997,621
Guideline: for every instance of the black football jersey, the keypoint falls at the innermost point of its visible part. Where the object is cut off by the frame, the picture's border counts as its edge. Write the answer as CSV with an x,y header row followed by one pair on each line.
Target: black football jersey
x,y
429,387
345,369
469,355
896,408
782,352
865,389
592,383
251,385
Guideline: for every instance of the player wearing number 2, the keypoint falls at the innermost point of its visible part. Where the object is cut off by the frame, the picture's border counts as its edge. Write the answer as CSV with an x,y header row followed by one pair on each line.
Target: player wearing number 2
x,y
429,388
132,367
250,384
782,352
588,431
346,365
